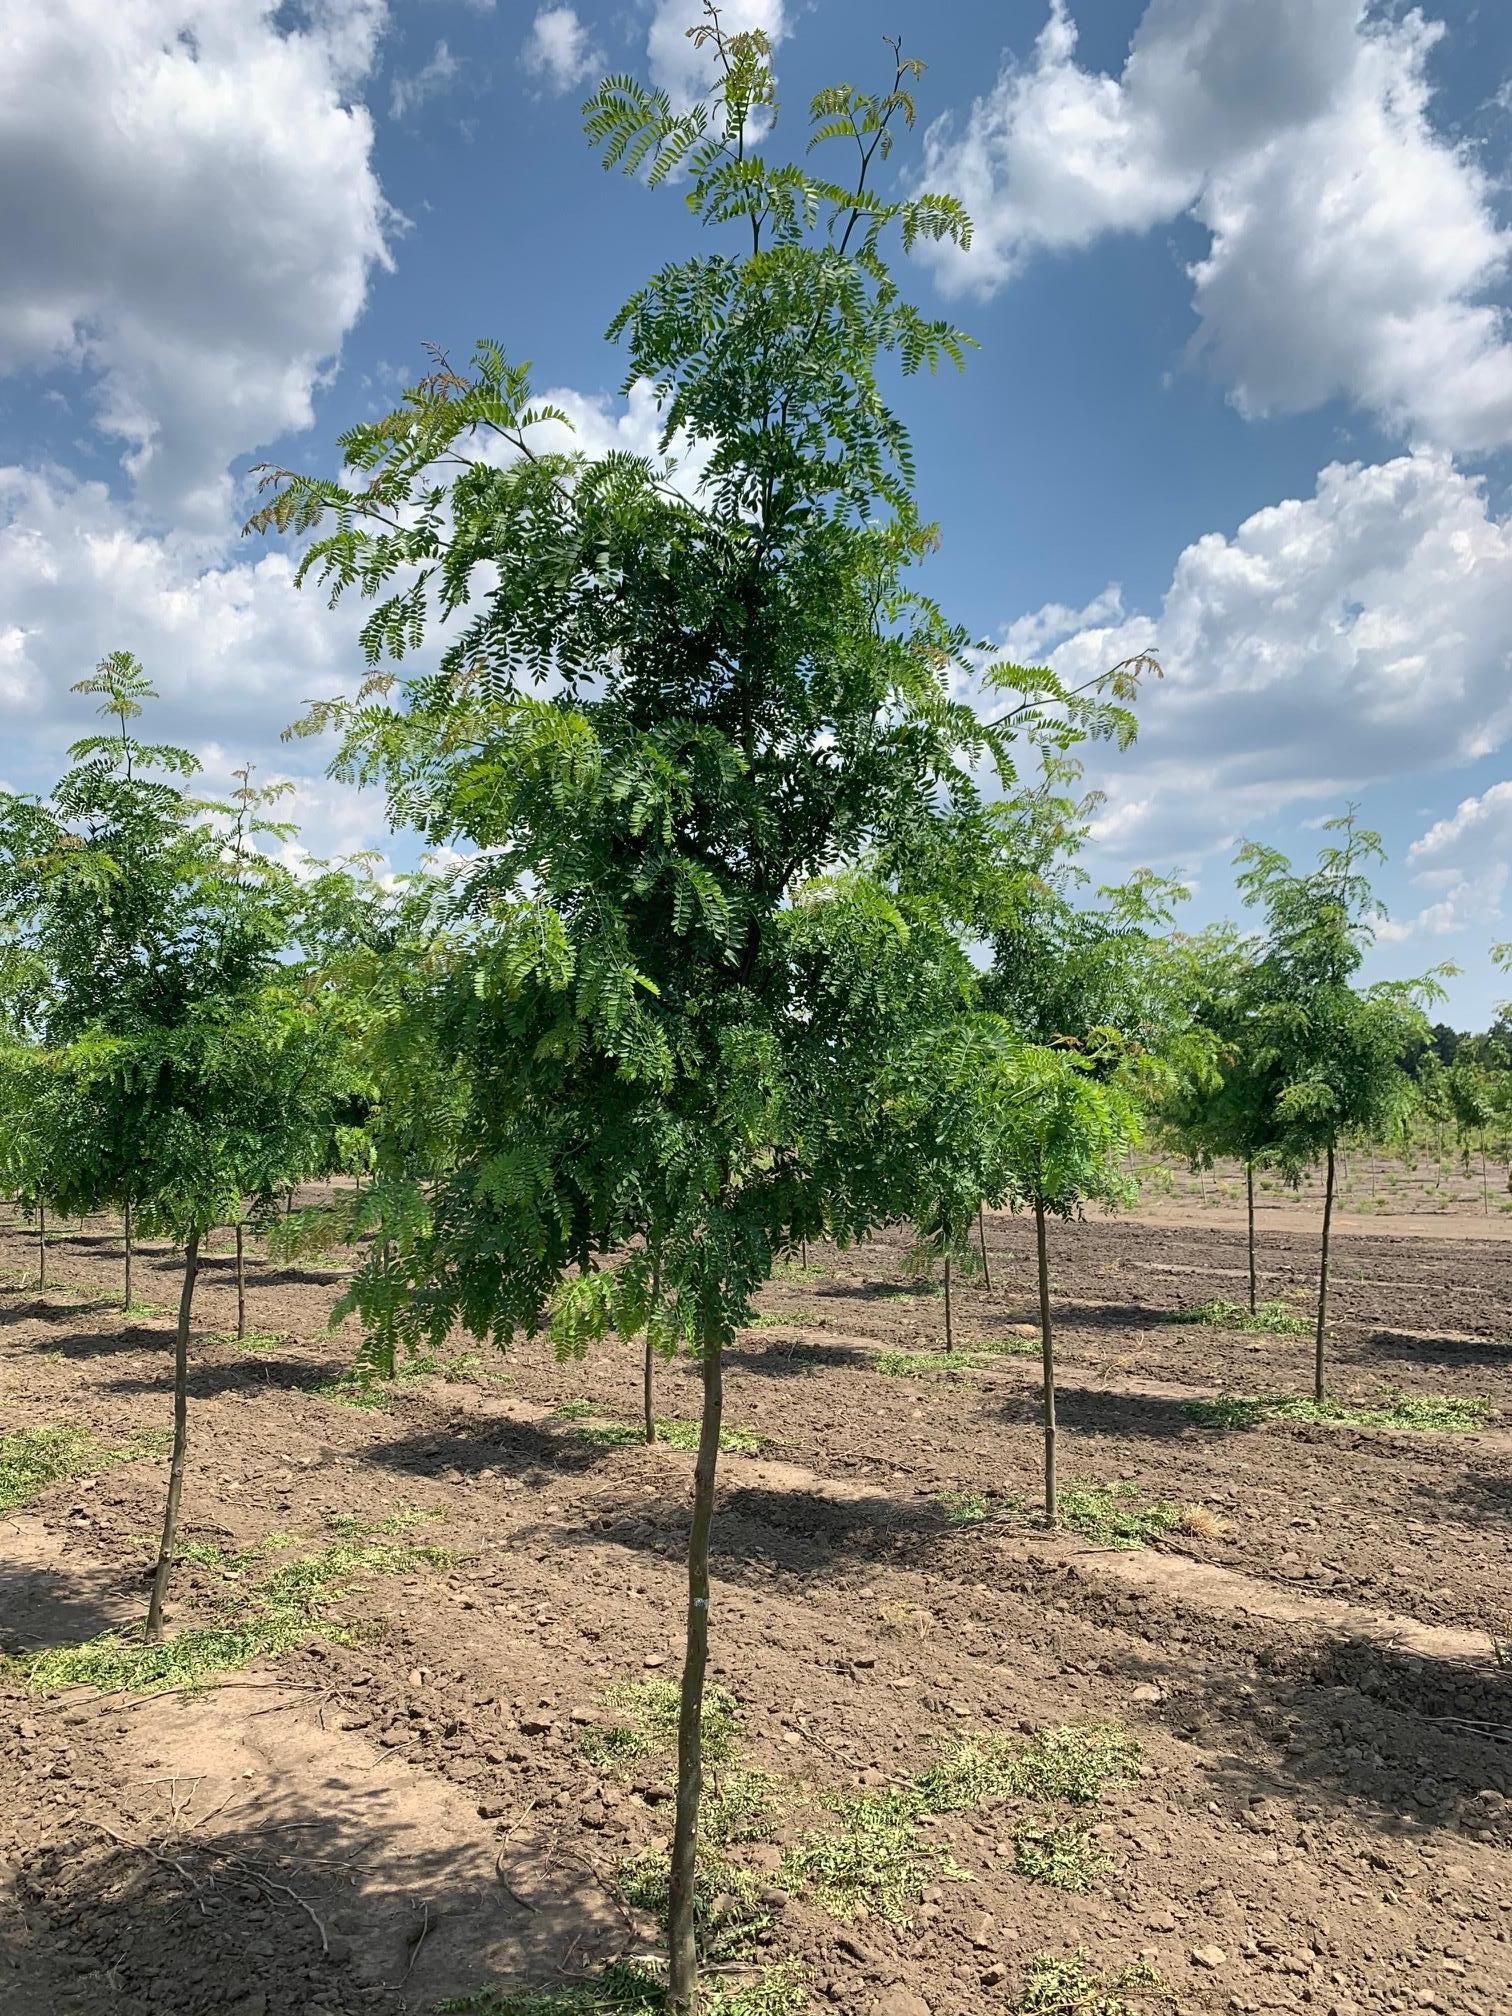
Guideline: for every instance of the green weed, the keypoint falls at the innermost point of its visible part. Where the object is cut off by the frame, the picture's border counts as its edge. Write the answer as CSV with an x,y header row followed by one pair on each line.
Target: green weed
x,y
873,1860
728,1915
1113,1516
1276,1319
34,1459
684,1435
648,1722
963,1508
876,1858
1399,1410
1061,1853
287,1607
976,1357
1067,1986
631,1988
675,1434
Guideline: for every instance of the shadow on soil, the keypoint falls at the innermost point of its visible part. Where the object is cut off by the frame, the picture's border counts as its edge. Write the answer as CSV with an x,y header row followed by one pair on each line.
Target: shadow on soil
x,y
1486,1351
517,1448
795,1360
332,1894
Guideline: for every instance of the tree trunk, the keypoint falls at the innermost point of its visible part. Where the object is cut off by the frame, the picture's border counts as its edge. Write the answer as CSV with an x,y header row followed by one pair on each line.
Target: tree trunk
x,y
126,1304
41,1244
1485,1189
241,1285
1328,1197
803,1249
1047,1358
982,1241
1249,1191
682,1989
949,1325
646,1392
180,1443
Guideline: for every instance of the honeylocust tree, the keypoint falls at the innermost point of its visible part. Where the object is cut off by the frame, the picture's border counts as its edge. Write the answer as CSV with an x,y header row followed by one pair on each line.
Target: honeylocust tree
x,y
1066,1131
678,699
1334,1051
179,1064
1221,1101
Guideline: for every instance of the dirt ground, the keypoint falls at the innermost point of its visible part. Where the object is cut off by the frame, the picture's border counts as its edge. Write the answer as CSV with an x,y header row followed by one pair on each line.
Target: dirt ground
x,y
413,1803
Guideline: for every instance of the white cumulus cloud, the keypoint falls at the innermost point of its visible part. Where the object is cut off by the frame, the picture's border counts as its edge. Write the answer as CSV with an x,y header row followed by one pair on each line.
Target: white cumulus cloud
x,y
1331,642
201,218
560,49
1352,245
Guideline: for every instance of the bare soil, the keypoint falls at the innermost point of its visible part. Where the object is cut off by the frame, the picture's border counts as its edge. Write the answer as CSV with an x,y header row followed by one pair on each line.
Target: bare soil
x,y
1322,1820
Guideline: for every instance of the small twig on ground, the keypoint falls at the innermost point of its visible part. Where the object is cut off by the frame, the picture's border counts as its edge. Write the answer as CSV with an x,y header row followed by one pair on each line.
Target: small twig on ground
x,y
419,1941
167,1861
259,1876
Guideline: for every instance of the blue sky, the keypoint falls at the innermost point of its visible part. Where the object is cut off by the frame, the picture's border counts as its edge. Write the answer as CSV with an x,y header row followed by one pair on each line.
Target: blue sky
x,y
1244,394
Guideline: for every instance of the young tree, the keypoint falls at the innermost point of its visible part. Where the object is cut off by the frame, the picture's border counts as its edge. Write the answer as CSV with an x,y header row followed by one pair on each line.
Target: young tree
x,y
1335,1051
1066,1131
674,702
179,1065
1221,1101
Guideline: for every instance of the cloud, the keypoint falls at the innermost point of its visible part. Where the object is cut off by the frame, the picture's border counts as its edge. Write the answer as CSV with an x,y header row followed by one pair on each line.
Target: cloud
x,y
408,93
683,70
1464,863
560,50
234,649
1332,642
200,223
1351,245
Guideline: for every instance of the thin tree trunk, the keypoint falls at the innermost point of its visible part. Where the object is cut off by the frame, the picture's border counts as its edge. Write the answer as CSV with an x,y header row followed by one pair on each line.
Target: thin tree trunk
x,y
1485,1191
241,1285
803,1248
949,1325
126,1215
180,1443
1328,1197
1047,1358
682,1990
1249,1191
982,1240
647,1372
41,1244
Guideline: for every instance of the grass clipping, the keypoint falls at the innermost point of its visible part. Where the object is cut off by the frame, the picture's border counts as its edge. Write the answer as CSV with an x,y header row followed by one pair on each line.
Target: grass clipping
x,y
274,1613
1420,1412
876,1859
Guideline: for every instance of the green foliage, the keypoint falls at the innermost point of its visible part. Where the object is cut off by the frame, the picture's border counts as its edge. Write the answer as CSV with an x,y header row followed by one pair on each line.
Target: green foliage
x,y
631,1987
728,1915
1274,1318
648,1711
1114,1515
963,1508
172,1060
977,1356
725,819
875,1858
1067,1985
272,1615
34,1459
872,1861
1398,1410
1061,1853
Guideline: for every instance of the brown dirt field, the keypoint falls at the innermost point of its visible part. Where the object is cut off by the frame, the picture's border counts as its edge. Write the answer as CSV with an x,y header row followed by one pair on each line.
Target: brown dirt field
x,y
1322,1819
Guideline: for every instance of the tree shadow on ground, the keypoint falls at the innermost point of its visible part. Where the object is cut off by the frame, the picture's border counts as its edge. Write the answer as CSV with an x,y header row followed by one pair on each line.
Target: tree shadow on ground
x,y
49,1597
130,1338
1340,1727
774,1360
1087,1410
1482,1491
243,1375
518,1449
1487,1351
296,1864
